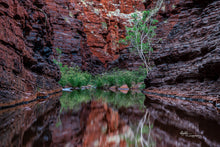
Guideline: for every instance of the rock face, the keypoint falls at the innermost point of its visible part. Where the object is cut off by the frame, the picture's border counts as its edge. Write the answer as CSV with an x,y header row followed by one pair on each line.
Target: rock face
x,y
26,65
183,123
30,33
104,24
87,33
69,36
187,58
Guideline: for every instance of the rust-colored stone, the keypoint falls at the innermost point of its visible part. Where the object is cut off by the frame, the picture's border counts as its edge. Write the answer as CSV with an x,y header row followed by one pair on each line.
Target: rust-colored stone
x,y
104,26
25,45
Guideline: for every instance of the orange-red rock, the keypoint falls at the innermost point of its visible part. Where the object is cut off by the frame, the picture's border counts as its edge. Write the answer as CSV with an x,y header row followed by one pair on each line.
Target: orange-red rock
x,y
103,28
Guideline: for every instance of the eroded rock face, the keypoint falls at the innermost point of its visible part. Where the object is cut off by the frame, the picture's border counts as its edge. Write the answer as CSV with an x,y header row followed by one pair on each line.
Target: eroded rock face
x,y
26,64
187,58
104,24
30,33
69,36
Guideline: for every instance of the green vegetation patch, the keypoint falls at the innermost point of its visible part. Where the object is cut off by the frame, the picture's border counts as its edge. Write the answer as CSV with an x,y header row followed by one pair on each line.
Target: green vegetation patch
x,y
73,76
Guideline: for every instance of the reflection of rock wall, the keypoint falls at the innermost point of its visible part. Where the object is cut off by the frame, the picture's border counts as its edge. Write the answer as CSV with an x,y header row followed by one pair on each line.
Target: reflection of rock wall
x,y
189,49
28,125
94,125
103,126
176,121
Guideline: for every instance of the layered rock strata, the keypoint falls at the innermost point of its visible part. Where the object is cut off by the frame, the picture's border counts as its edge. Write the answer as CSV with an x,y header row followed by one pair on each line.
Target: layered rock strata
x,y
69,36
26,66
187,56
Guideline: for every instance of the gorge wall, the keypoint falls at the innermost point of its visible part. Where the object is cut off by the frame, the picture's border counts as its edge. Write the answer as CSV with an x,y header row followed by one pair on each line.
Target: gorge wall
x,y
31,31
187,56
26,66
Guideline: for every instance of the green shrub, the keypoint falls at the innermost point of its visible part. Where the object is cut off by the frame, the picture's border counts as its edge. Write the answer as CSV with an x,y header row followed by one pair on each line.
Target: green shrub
x,y
74,77
119,78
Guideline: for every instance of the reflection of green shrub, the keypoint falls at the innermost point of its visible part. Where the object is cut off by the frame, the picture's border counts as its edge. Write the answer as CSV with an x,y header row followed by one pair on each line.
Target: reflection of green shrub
x,y
75,98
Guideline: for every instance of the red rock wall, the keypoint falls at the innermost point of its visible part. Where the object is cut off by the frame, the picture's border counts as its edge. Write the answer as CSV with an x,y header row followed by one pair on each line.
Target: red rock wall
x,y
104,24
187,58
69,37
88,31
26,66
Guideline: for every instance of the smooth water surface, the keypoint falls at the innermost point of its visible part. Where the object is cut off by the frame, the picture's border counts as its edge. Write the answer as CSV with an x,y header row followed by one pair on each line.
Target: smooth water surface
x,y
104,118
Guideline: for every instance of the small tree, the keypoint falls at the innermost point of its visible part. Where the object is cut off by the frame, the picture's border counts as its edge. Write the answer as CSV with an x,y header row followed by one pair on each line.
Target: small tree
x,y
141,33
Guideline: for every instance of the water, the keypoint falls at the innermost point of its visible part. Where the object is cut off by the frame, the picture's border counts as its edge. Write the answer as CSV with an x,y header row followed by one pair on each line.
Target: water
x,y
104,118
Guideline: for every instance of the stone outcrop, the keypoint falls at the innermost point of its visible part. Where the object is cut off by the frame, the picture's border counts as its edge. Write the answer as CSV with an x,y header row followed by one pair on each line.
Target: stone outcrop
x,y
26,66
187,56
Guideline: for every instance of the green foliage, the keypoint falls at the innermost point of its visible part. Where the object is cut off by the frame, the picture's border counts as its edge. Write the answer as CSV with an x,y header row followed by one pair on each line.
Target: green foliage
x,y
140,35
119,77
58,51
104,25
74,76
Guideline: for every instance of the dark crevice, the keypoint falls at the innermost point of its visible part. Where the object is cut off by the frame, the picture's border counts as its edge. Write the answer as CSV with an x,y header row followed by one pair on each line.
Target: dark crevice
x,y
4,5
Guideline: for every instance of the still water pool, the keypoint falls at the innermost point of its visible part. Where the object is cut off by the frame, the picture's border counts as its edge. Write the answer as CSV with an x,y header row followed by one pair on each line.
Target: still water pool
x,y
105,118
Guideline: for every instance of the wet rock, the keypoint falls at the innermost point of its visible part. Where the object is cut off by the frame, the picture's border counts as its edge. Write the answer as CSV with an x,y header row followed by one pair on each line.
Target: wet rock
x,y
124,89
113,88
181,122
28,125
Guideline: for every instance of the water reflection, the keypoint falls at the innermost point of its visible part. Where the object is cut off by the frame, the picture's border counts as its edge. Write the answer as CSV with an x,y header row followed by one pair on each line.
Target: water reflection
x,y
183,124
104,118
26,125
92,118
74,99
